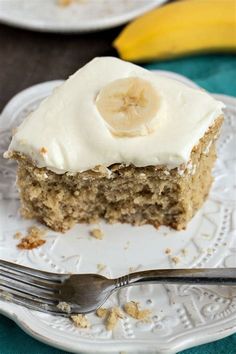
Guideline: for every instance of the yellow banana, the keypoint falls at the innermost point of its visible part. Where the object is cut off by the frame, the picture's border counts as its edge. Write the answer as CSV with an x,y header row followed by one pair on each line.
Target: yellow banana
x,y
180,28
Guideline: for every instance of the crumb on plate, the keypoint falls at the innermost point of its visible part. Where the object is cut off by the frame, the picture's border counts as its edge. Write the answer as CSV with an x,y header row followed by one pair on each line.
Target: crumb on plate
x,y
175,259
64,307
102,312
64,2
33,238
97,233
43,150
69,2
132,309
80,321
18,235
111,316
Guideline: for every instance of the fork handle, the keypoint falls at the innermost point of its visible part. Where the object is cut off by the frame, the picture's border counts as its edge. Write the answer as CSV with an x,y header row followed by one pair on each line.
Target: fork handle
x,y
214,276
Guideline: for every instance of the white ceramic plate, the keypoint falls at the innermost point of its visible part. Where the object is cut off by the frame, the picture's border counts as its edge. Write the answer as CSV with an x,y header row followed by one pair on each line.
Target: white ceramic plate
x,y
80,16
182,316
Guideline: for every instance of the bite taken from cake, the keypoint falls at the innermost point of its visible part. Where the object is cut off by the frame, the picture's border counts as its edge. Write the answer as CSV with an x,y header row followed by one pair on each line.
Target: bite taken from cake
x,y
117,142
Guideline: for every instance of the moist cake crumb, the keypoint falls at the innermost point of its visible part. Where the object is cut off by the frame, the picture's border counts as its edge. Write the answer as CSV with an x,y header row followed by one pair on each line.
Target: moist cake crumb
x,y
80,321
43,150
102,312
112,316
64,2
96,233
18,235
175,259
64,307
33,239
69,2
133,310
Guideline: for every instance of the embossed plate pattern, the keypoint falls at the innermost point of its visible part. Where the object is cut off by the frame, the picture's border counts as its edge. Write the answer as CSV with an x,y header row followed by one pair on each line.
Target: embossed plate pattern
x,y
182,316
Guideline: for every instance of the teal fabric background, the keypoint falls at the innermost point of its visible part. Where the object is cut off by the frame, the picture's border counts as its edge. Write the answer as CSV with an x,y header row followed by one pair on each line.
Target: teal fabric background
x,y
215,73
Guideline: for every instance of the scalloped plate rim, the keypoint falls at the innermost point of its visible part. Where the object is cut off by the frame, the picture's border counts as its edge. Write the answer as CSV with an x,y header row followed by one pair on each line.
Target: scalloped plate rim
x,y
87,346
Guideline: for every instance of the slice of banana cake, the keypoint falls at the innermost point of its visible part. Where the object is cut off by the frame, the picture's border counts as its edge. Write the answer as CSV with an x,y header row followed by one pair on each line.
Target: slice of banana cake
x,y
118,142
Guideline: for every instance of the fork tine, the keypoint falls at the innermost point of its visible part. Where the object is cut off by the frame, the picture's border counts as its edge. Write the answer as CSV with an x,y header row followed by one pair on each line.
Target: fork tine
x,y
27,288
34,289
15,290
26,279
52,277
19,299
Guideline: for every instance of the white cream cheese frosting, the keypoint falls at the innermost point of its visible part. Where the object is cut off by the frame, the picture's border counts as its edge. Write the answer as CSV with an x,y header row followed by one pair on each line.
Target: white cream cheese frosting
x,y
67,132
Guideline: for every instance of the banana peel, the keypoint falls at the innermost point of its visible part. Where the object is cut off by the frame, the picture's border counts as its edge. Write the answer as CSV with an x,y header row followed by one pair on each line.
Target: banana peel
x,y
180,28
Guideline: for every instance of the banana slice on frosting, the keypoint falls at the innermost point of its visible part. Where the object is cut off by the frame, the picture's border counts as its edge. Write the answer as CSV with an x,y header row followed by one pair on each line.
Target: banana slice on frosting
x,y
128,106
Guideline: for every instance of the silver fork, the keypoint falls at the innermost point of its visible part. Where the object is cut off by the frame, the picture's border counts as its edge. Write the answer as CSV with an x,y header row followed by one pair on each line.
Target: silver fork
x,y
84,293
